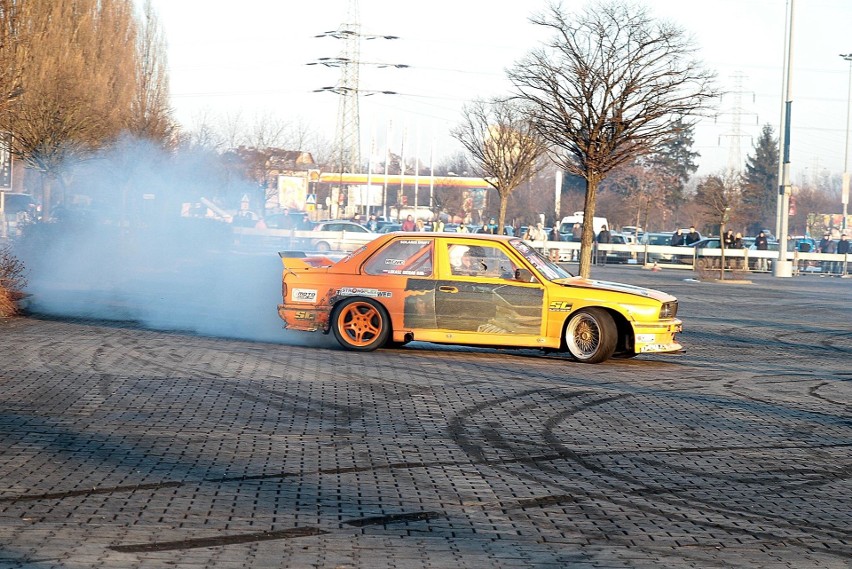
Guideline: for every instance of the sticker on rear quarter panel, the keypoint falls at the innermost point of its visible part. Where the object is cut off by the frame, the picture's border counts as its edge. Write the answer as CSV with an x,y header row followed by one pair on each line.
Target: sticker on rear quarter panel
x,y
372,292
304,295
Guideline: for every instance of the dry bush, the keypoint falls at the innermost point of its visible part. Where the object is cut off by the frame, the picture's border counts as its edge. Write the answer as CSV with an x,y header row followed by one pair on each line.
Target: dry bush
x,y
12,282
708,270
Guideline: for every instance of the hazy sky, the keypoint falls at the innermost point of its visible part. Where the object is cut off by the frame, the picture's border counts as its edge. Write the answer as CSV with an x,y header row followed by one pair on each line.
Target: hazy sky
x,y
249,58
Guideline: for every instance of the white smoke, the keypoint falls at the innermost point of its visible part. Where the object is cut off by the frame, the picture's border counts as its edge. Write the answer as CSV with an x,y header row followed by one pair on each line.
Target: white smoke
x,y
123,251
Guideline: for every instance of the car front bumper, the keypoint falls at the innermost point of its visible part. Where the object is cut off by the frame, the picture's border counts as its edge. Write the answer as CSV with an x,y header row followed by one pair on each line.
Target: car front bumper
x,y
658,338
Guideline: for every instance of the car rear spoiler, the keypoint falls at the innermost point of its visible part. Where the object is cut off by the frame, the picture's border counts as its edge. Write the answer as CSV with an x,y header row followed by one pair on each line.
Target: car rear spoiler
x,y
300,260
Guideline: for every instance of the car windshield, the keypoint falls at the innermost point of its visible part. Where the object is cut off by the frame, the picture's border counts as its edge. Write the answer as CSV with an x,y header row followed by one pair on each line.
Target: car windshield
x,y
548,270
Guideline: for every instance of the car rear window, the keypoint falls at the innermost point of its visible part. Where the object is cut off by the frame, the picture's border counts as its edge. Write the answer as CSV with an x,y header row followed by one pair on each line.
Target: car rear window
x,y
410,257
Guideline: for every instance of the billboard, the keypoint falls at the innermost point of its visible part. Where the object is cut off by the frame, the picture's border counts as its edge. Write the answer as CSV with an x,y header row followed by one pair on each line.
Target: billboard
x,y
292,192
820,223
365,195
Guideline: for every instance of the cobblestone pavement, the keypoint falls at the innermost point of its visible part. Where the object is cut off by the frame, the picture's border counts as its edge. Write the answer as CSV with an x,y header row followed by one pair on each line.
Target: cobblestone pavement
x,y
128,447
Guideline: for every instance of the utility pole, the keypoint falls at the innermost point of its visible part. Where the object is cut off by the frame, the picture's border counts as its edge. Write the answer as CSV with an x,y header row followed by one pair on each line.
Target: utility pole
x,y
784,267
844,194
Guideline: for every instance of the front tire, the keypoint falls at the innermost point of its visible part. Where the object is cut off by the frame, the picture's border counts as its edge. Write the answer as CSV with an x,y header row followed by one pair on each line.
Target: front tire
x,y
591,335
360,324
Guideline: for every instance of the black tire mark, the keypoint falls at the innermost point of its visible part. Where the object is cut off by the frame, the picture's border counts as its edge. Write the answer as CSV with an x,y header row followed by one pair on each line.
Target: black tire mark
x,y
633,487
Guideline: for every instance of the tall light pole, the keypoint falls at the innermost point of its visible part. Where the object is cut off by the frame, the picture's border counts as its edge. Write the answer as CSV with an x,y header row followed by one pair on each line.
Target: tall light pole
x,y
844,194
784,267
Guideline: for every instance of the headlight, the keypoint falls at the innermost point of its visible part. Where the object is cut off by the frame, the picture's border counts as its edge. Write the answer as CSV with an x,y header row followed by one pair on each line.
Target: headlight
x,y
668,310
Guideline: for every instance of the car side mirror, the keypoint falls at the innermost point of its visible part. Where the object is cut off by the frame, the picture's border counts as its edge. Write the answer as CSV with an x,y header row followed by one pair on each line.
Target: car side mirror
x,y
524,275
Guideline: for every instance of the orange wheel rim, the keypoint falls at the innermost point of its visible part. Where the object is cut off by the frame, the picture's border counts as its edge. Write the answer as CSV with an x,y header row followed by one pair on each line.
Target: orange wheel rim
x,y
361,323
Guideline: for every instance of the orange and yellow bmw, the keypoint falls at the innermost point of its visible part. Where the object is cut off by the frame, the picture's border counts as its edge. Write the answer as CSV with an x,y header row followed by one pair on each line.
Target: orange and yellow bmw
x,y
476,290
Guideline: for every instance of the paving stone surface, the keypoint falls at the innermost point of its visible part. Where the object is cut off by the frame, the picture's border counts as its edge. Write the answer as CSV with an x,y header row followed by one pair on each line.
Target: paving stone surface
x,y
122,446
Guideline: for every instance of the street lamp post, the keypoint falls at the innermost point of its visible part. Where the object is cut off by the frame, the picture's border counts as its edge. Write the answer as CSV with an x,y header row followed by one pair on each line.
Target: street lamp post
x,y
784,267
844,194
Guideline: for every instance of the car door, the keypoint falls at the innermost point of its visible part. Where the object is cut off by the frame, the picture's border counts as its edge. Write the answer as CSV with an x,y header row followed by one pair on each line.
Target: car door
x,y
481,299
405,265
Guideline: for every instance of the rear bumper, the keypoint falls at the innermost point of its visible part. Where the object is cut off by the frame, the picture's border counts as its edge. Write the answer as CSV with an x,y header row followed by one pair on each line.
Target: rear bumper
x,y
307,318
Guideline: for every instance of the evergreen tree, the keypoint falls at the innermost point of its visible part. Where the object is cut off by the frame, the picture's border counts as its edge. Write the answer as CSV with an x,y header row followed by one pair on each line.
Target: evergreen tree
x,y
760,191
675,157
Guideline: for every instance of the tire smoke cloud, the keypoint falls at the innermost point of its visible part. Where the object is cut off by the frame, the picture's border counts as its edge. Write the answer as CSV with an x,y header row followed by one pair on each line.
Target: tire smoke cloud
x,y
121,247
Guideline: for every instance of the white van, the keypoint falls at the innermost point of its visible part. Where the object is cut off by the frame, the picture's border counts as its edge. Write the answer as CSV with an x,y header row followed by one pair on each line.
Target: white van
x,y
567,223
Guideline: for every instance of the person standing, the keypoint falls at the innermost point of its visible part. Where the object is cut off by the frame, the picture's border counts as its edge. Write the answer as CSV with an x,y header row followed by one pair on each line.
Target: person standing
x,y
603,238
761,243
692,236
408,224
738,244
727,244
438,226
826,245
537,235
678,238
842,249
577,233
372,223
554,233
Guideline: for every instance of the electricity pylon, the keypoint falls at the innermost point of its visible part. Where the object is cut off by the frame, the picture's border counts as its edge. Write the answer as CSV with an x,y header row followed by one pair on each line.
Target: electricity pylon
x,y
348,87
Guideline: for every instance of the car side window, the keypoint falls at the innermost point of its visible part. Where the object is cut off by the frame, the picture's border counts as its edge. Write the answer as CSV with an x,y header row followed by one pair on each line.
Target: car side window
x,y
479,260
409,257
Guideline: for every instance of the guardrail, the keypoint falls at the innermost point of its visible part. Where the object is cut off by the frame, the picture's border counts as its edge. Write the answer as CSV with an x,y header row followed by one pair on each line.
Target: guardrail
x,y
280,239
698,259
663,256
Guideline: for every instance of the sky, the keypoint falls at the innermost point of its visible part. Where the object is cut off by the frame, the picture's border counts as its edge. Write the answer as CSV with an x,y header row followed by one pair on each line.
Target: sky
x,y
250,60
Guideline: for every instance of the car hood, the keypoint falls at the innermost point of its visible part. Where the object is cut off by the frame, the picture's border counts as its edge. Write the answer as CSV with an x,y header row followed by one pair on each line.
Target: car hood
x,y
580,282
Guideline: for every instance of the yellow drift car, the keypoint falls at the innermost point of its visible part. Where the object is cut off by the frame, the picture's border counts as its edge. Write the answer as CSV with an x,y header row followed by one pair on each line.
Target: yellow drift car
x,y
476,290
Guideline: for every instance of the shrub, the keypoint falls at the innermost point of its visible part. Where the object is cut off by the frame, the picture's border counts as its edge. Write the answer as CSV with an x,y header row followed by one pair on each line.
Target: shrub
x,y
12,282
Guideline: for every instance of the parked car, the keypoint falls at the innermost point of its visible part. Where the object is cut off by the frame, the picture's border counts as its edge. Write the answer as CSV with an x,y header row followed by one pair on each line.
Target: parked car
x,y
18,209
663,238
771,245
298,220
657,239
475,289
331,235
618,256
390,228
713,261
15,203
801,244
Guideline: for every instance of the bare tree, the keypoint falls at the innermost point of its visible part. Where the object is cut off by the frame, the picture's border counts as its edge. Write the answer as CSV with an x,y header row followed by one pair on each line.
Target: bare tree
x,y
609,86
719,196
504,145
77,66
644,187
12,42
151,116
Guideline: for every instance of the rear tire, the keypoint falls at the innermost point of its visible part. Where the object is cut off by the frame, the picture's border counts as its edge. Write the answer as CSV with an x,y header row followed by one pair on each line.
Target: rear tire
x,y
591,335
360,324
